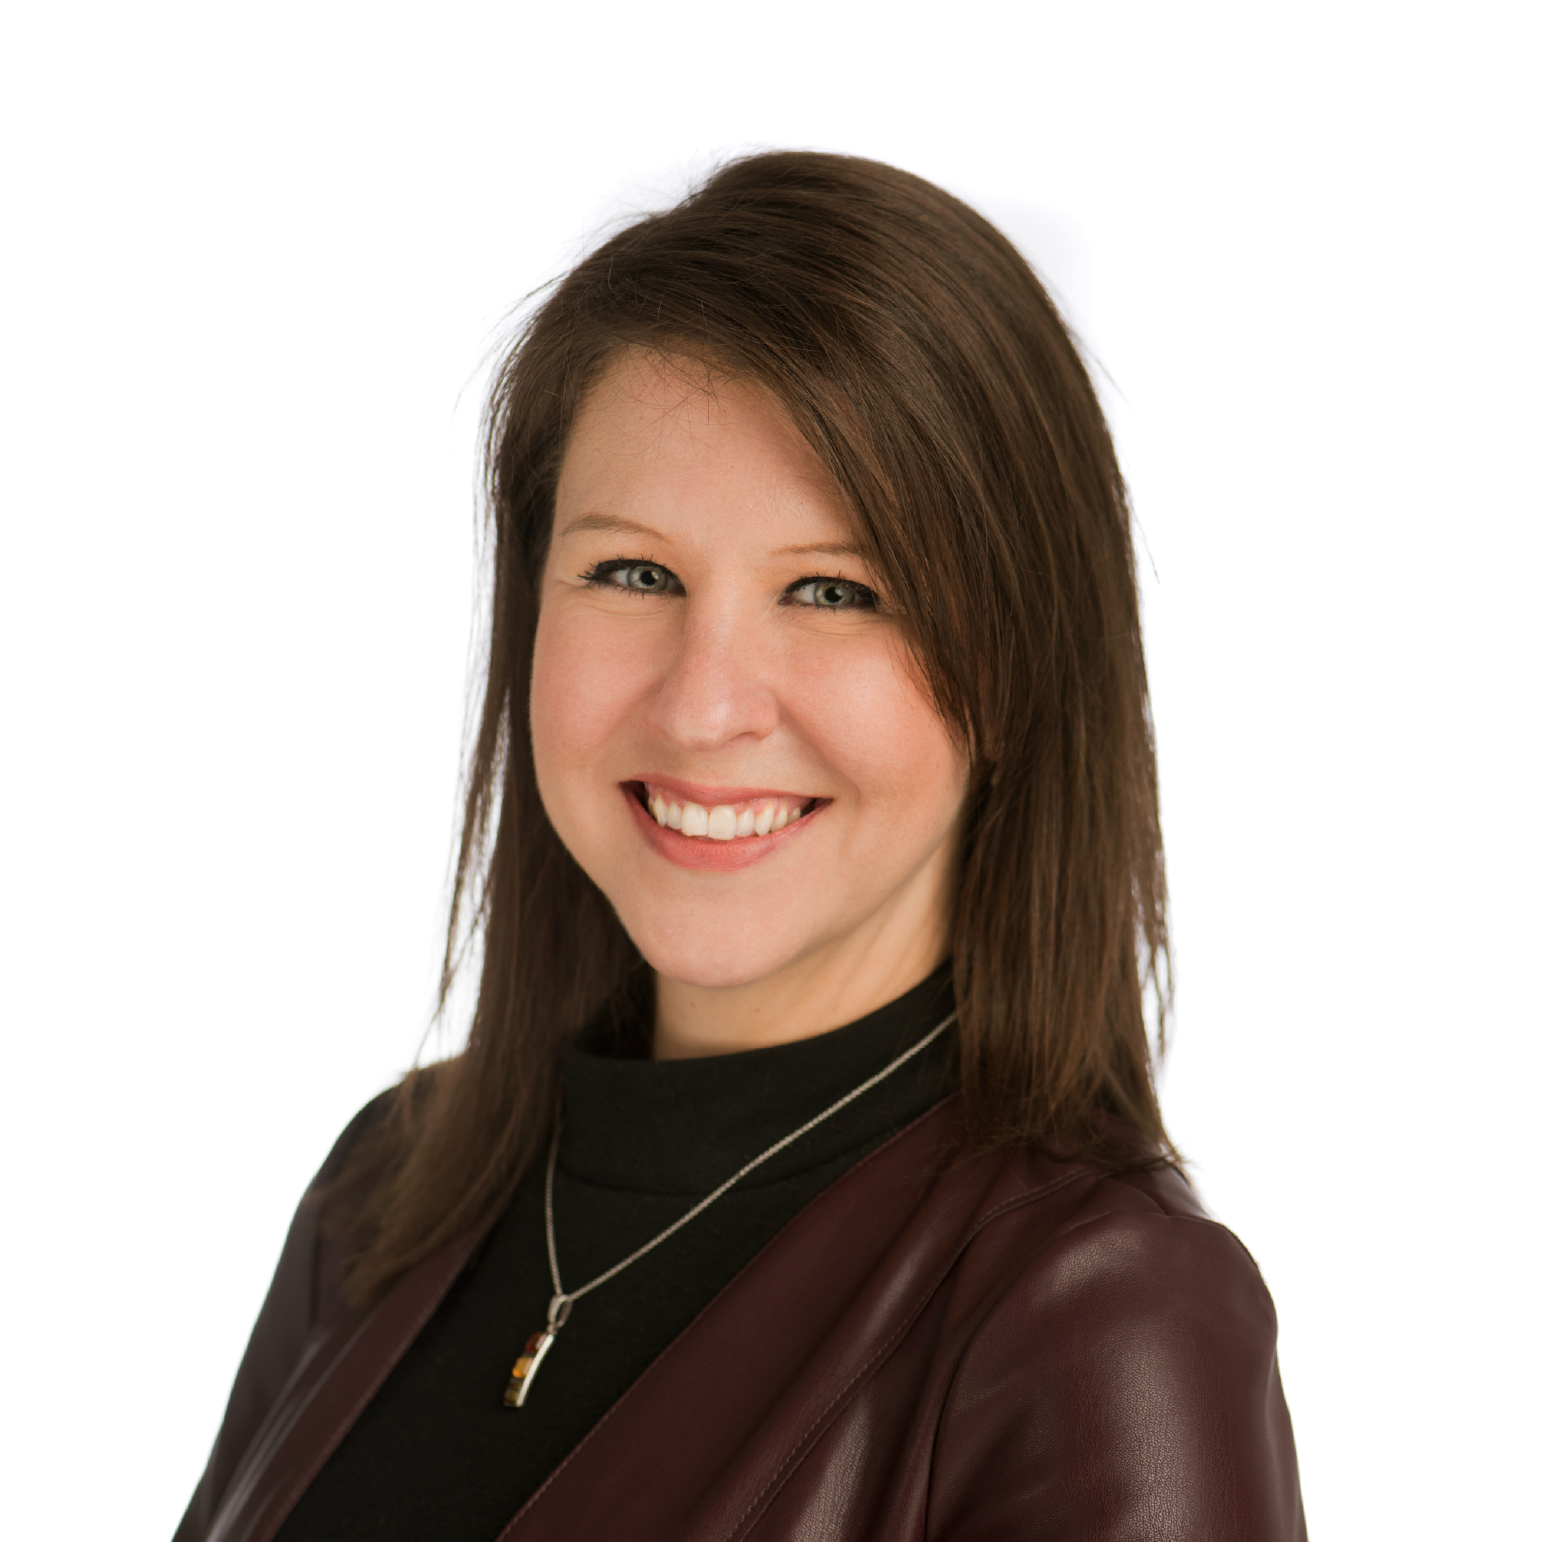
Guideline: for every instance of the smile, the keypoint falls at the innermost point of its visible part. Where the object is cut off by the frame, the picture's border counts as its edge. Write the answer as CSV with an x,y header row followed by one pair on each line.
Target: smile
x,y
722,821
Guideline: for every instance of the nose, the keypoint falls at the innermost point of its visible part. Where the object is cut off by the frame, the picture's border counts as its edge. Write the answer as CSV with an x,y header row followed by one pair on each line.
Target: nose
x,y
716,687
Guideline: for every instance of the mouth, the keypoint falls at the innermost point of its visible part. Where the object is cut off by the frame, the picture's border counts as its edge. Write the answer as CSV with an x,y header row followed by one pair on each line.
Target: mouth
x,y
726,819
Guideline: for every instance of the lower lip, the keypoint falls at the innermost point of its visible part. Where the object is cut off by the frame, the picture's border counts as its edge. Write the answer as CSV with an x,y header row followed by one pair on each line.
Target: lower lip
x,y
706,855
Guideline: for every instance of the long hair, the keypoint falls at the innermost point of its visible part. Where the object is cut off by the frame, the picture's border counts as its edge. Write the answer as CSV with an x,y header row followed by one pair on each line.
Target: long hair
x,y
922,360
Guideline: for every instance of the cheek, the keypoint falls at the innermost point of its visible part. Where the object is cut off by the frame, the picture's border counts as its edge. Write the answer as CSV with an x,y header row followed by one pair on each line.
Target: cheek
x,y
874,720
583,685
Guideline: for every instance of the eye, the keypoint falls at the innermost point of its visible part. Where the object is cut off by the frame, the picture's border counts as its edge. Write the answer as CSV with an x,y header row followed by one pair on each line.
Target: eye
x,y
832,594
635,577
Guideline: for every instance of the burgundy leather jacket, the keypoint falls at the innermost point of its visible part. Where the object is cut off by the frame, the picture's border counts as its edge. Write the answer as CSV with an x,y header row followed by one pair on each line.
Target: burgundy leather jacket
x,y
997,1349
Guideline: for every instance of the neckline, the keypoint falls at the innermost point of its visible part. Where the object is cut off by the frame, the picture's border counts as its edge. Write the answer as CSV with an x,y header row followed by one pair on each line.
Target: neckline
x,y
681,1126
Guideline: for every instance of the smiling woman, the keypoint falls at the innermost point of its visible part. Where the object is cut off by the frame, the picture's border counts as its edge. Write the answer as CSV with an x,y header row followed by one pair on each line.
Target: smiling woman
x,y
811,844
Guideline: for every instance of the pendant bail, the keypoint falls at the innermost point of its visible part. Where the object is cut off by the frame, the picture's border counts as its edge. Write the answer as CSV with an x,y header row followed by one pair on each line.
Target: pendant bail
x,y
557,1312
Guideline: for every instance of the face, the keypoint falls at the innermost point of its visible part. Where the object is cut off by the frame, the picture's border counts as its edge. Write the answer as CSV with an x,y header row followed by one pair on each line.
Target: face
x,y
730,734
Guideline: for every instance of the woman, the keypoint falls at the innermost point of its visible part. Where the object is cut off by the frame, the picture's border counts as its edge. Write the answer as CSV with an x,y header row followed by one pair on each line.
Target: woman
x,y
804,1160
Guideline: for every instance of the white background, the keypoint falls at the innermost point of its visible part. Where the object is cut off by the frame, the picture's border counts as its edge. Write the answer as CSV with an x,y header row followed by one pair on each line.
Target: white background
x,y
253,259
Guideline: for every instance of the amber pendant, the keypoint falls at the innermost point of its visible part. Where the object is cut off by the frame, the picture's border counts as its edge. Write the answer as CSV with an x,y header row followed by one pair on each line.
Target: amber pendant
x,y
536,1349
526,1366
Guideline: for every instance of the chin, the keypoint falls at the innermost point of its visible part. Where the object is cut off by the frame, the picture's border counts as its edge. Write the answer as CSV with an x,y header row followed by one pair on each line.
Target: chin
x,y
714,958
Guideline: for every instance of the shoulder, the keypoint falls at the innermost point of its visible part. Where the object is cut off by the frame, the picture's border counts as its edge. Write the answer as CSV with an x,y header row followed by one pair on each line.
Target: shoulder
x,y
1123,1350
370,1118
1130,1262
1137,1238
303,1292
1009,1227
342,1186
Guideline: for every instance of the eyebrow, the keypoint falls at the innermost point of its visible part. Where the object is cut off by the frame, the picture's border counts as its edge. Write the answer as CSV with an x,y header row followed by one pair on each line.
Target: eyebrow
x,y
610,524
819,549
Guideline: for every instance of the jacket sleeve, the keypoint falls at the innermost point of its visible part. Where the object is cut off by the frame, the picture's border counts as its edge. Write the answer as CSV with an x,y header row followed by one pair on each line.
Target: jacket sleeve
x,y
1125,1385
295,1303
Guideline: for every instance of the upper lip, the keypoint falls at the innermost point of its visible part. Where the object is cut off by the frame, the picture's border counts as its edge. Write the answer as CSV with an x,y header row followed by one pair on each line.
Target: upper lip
x,y
712,797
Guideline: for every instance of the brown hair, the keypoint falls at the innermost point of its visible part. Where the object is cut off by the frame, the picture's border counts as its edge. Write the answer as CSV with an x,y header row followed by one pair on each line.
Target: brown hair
x,y
918,354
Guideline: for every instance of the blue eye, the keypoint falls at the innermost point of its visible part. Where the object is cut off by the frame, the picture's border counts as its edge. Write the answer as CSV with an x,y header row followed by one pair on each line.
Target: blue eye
x,y
832,594
636,577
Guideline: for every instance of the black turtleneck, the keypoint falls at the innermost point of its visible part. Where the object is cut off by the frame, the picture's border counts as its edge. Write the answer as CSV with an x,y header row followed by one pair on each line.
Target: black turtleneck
x,y
436,1453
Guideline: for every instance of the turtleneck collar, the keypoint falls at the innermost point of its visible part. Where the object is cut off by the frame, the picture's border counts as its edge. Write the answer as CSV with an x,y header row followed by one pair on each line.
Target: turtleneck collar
x,y
683,1126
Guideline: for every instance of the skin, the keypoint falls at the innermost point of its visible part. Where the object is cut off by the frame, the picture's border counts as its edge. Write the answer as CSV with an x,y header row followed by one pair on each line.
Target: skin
x,y
722,676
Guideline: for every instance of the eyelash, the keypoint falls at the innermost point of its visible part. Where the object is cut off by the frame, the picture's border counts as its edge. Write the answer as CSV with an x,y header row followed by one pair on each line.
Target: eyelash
x,y
866,598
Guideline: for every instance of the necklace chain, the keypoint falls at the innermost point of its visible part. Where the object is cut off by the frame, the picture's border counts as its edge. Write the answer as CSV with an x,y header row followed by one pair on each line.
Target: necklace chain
x,y
562,1301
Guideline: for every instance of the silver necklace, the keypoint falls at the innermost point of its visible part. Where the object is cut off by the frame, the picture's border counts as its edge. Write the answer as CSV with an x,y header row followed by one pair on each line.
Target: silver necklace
x,y
539,1343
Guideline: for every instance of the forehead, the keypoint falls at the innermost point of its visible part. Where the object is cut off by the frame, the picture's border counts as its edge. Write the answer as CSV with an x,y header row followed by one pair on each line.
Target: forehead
x,y
673,444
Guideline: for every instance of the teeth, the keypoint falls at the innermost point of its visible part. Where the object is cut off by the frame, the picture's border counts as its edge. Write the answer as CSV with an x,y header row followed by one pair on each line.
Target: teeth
x,y
724,821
